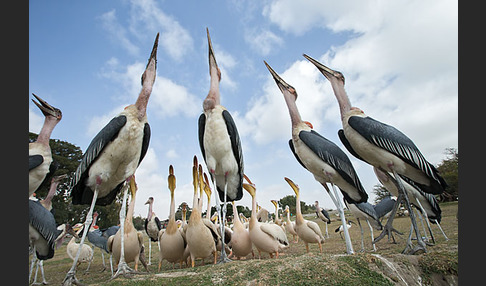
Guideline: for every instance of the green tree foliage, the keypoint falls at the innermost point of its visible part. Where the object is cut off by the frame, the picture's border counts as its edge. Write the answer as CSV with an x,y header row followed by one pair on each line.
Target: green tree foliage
x,y
380,193
68,157
449,170
290,201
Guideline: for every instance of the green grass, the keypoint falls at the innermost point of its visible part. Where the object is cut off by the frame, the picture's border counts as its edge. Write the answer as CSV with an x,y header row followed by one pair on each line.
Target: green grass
x,y
294,266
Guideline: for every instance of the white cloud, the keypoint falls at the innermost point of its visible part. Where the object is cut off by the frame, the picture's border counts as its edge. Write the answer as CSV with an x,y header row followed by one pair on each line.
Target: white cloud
x,y
35,121
145,19
263,41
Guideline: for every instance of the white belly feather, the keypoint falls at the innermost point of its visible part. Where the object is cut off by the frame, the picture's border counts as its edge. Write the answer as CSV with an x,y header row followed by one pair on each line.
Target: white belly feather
x,y
37,175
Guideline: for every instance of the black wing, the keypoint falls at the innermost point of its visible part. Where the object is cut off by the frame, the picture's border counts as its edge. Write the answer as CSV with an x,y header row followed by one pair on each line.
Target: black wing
x,y
158,223
368,209
80,193
348,146
384,206
145,141
291,145
336,158
430,198
397,143
43,221
97,239
237,152
201,126
326,215
35,161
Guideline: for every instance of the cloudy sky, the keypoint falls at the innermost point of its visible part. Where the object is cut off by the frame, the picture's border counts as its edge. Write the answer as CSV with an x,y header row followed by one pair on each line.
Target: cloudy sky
x,y
399,59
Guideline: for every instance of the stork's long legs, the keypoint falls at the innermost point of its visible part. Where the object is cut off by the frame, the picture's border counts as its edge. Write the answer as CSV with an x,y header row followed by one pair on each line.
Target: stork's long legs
x,y
32,262
327,233
438,224
222,216
372,237
70,276
426,220
150,251
339,206
362,235
388,229
420,243
122,265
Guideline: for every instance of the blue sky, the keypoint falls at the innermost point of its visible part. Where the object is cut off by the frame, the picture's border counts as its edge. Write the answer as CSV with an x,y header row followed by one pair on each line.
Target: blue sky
x,y
399,59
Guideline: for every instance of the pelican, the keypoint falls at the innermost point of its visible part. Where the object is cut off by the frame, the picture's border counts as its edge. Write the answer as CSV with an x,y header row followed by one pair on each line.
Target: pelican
x,y
40,157
290,225
308,231
241,244
171,241
324,159
265,236
323,215
200,239
86,254
130,248
220,145
113,156
384,147
152,226
276,220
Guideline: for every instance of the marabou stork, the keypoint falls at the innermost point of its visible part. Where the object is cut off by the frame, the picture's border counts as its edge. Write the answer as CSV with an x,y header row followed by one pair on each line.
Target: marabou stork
x,y
43,233
220,145
152,226
324,159
367,212
384,147
96,238
47,201
323,215
40,157
113,155
384,207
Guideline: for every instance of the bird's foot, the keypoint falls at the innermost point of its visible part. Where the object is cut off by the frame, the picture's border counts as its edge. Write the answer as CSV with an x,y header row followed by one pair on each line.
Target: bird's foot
x,y
124,270
223,260
70,279
387,230
410,250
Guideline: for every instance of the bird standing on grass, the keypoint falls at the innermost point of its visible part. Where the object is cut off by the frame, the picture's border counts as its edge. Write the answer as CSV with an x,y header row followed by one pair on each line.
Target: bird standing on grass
x,y
324,159
386,148
220,146
152,226
308,231
113,156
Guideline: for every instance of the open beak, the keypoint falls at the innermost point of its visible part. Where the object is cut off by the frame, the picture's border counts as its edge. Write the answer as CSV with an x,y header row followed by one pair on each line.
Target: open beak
x,y
292,185
212,58
282,85
46,108
327,72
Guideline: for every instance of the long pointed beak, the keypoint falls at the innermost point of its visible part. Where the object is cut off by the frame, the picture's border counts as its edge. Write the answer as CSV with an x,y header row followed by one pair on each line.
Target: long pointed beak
x,y
292,185
172,179
282,85
150,69
212,58
46,108
133,186
327,72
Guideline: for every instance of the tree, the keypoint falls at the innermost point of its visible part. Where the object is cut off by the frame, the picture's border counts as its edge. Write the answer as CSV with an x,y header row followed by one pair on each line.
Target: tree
x,y
380,192
449,170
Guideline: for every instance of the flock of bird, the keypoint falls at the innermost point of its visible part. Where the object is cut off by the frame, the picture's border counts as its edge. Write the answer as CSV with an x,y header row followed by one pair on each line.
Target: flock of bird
x,y
110,161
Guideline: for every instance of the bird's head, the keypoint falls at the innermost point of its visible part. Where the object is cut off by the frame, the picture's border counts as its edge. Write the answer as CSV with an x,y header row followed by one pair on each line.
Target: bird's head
x,y
207,189
331,75
250,187
284,87
172,180
184,206
149,201
47,109
148,75
293,186
275,203
69,229
213,65
133,186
